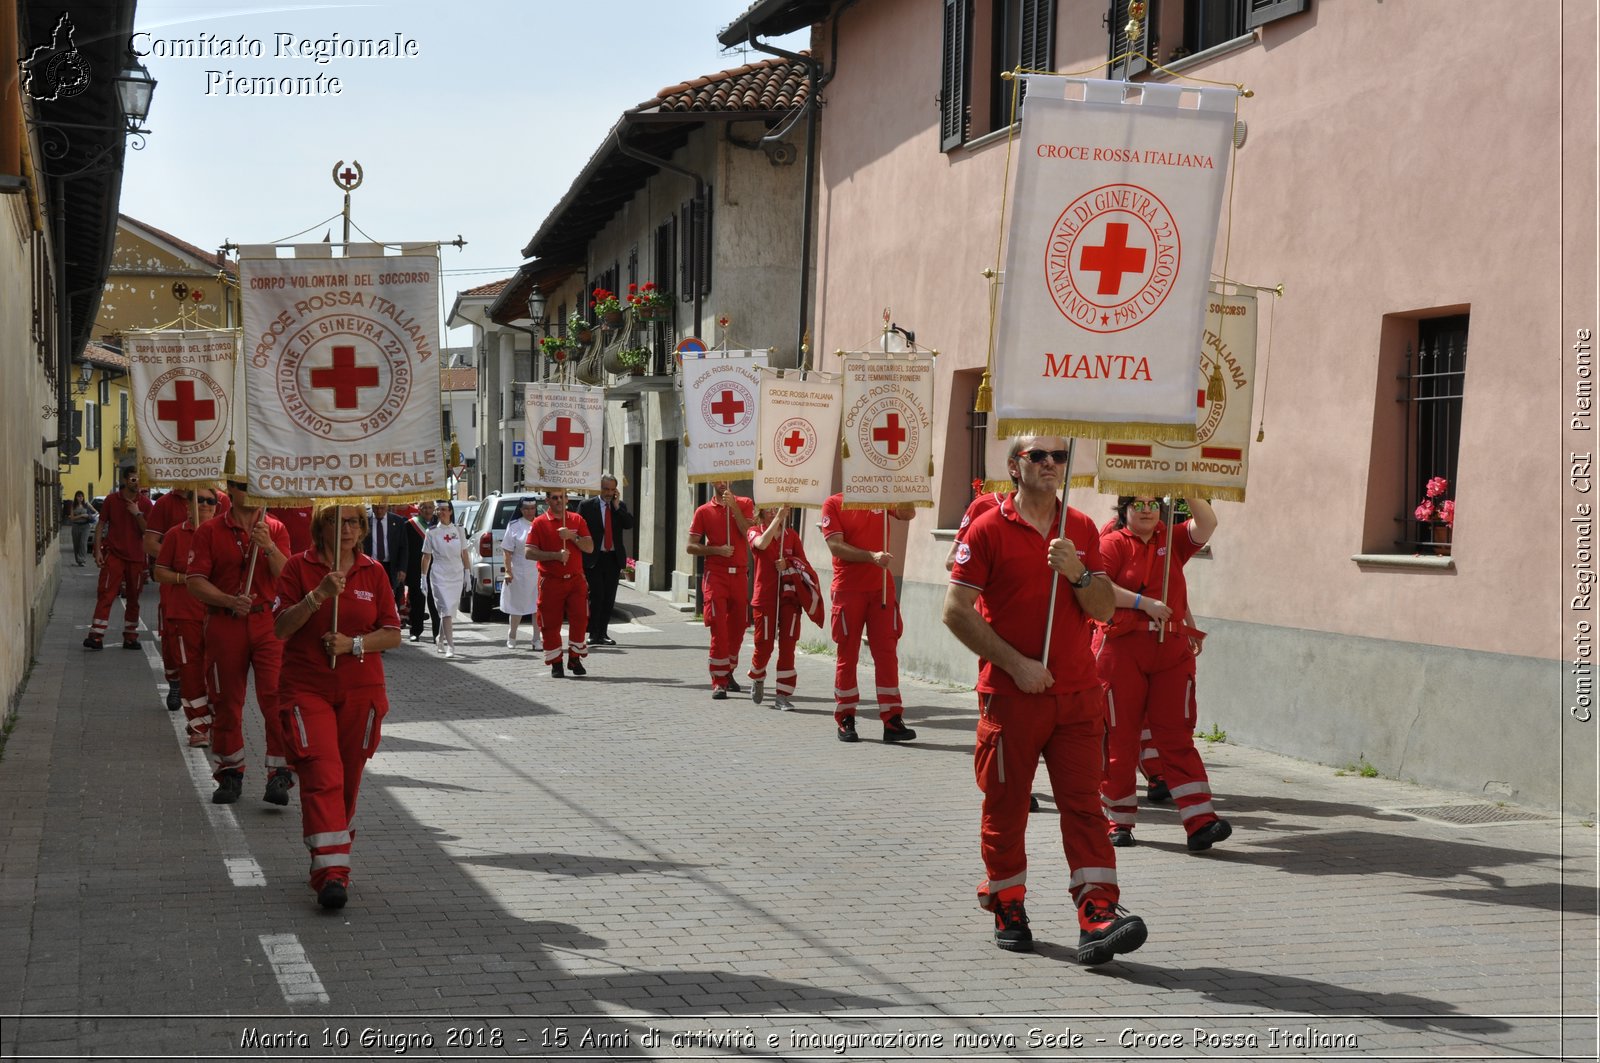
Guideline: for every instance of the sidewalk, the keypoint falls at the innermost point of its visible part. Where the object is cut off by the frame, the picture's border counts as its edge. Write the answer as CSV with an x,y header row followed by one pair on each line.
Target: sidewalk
x,y
620,867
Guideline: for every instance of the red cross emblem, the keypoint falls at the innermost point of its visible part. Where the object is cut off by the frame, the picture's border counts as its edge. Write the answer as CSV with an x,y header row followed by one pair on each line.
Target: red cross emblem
x,y
185,410
447,537
344,378
562,439
794,441
1112,259
891,435
727,407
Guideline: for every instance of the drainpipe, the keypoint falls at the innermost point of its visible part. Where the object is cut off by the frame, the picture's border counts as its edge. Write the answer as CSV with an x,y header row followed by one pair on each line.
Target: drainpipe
x,y
699,195
63,327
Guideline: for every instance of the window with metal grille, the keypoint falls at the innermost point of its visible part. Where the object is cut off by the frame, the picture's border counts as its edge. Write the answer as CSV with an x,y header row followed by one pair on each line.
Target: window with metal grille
x,y
1435,376
1174,29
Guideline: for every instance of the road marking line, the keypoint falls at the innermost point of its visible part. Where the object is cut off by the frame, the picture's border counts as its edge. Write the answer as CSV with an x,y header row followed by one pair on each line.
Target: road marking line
x,y
292,967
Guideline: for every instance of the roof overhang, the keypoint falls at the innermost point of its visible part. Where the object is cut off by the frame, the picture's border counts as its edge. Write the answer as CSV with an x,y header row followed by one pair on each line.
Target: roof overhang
x,y
774,18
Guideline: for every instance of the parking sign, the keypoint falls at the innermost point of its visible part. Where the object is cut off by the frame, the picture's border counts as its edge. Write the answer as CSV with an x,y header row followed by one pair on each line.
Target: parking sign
x,y
519,449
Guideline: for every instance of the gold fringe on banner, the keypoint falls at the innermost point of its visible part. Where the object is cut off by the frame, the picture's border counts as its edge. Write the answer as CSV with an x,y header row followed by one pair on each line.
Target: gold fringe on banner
x,y
253,501
1211,491
1011,427
731,475
926,503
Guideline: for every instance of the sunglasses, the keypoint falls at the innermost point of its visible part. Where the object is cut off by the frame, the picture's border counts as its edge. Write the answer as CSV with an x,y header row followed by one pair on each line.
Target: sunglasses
x,y
204,501
1038,456
350,522
1144,507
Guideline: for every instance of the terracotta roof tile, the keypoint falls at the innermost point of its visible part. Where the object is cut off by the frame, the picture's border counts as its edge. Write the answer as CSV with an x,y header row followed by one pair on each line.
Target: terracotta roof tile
x,y
492,288
209,257
775,84
106,357
463,378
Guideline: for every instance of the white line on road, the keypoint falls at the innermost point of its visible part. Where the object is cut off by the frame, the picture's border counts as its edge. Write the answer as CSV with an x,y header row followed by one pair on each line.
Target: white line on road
x,y
296,977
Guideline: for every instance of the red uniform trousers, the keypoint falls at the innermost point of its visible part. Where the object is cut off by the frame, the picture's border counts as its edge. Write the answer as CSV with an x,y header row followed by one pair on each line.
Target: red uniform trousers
x,y
183,646
1069,730
1149,758
1150,684
784,627
725,604
563,598
127,577
853,613
234,645
330,741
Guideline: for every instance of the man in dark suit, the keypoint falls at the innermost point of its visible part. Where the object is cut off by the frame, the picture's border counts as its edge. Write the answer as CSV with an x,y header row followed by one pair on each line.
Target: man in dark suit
x,y
422,603
607,517
388,544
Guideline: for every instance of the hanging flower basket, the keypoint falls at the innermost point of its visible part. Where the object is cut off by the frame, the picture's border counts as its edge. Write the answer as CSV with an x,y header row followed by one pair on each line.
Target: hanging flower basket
x,y
648,302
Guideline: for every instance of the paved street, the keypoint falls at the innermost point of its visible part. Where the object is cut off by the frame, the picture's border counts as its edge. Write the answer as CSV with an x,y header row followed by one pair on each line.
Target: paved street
x,y
620,867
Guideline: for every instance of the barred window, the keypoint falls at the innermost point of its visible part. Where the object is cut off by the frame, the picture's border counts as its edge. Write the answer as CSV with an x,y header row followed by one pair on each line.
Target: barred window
x,y
1435,377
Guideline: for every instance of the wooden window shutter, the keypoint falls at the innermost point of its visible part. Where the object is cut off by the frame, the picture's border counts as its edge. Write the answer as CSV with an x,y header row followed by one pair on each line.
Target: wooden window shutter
x,y
1264,11
1119,39
1038,35
953,74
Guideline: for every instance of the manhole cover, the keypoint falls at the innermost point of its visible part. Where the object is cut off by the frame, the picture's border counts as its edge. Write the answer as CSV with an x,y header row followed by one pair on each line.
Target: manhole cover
x,y
1467,814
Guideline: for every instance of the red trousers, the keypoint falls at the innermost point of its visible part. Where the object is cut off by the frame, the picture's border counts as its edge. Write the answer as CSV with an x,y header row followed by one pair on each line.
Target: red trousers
x,y
1150,684
725,604
783,625
853,613
1069,730
183,648
563,599
124,577
235,645
330,741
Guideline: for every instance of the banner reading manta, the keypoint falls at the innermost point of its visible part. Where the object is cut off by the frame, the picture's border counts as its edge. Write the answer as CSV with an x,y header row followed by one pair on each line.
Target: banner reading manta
x,y
797,438
562,426
1108,256
888,431
342,375
719,415
182,382
1216,464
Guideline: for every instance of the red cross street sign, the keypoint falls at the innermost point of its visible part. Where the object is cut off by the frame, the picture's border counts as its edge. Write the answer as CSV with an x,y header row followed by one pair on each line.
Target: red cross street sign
x,y
1113,258
344,378
891,434
727,407
563,439
185,410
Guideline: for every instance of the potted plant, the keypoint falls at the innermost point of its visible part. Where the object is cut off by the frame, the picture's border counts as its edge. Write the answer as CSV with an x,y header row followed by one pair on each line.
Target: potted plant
x,y
606,306
648,302
1437,514
554,348
629,571
634,360
579,330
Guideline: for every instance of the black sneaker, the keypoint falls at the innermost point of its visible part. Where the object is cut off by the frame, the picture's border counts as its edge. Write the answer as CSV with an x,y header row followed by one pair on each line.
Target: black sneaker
x,y
92,642
279,783
1156,791
719,693
1033,802
1216,831
230,784
1011,926
734,687
576,667
1105,930
333,894
1122,838
847,730
130,644
556,671
895,730
174,699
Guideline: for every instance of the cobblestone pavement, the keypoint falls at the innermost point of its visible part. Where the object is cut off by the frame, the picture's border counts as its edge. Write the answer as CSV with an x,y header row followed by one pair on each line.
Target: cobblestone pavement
x,y
620,867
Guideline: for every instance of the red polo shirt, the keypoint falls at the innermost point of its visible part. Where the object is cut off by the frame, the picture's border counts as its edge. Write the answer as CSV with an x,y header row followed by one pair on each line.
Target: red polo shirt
x,y
366,605
981,505
866,529
172,509
1007,561
714,523
176,601
221,553
546,535
1136,566
786,544
297,522
123,536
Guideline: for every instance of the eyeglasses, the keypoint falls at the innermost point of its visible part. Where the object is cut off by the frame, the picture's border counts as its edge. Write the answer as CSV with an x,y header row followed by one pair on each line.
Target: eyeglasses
x,y
204,501
1144,507
1038,456
350,522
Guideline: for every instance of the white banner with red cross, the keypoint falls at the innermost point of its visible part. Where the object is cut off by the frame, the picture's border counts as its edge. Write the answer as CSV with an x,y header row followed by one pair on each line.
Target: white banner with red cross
x,y
887,431
341,363
1216,463
182,383
797,438
719,414
563,426
1113,224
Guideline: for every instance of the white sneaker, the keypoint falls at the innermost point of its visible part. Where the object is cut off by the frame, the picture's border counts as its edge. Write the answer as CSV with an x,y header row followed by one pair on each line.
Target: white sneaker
x,y
511,644
783,704
444,648
449,649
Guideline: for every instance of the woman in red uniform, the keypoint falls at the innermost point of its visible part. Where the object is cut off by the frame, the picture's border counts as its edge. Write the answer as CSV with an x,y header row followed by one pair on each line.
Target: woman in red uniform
x,y
331,692
1147,665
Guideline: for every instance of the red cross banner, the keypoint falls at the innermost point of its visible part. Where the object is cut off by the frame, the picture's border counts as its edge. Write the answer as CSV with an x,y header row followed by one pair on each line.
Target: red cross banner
x,y
182,383
719,414
1216,463
797,437
563,426
341,360
1109,249
887,430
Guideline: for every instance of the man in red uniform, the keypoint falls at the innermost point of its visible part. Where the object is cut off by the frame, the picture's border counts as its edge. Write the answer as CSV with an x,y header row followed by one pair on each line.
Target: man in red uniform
x,y
1035,699
558,540
296,520
864,600
717,533
785,585
119,551
183,621
239,637
170,511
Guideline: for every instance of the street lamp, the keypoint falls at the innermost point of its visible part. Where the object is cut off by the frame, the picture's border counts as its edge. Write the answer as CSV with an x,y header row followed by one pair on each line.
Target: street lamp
x,y
536,308
135,87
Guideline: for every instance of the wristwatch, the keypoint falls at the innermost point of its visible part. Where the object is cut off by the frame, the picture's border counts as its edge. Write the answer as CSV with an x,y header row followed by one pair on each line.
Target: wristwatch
x,y
1084,580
